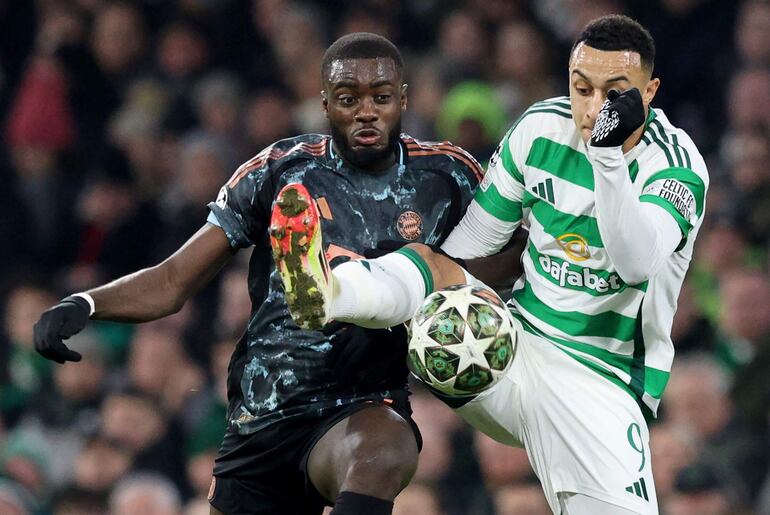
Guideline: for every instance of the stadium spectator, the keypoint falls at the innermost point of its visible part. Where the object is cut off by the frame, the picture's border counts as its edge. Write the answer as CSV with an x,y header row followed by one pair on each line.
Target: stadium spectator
x,y
79,502
114,231
746,153
158,366
234,304
417,499
150,494
136,422
461,43
471,116
23,372
748,99
118,39
697,398
701,489
522,67
14,500
267,104
520,499
745,319
100,464
692,331
674,448
752,33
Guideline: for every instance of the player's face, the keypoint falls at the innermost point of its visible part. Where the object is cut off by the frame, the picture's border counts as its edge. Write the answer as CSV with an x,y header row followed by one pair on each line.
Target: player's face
x,y
592,73
363,100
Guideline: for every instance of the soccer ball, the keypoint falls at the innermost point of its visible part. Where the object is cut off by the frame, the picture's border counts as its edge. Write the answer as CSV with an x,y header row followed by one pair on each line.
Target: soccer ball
x,y
461,340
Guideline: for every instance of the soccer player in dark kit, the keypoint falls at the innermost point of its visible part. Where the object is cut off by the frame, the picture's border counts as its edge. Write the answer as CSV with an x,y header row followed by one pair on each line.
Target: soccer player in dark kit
x,y
300,435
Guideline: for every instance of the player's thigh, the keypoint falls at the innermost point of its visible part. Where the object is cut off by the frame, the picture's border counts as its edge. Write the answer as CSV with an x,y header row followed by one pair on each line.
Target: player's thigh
x,y
583,433
579,504
261,473
373,452
497,411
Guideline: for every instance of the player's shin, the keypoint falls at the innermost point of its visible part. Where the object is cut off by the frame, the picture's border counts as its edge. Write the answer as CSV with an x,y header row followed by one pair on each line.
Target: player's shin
x,y
381,292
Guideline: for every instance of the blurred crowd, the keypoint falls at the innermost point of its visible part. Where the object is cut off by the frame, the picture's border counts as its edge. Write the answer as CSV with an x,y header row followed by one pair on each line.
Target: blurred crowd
x,y
120,120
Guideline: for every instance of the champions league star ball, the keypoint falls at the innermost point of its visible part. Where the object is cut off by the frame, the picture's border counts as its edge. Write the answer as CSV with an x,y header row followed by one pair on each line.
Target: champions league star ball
x,y
461,340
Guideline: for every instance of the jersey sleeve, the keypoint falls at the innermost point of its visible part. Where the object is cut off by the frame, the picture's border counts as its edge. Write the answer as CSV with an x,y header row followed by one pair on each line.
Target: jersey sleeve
x,y
679,191
242,208
468,175
496,209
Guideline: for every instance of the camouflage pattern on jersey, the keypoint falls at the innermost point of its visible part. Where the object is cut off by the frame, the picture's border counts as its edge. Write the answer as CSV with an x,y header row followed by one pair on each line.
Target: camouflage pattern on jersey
x,y
278,370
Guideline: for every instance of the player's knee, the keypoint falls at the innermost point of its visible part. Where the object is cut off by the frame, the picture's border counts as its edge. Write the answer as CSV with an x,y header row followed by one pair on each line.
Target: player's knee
x,y
422,250
382,470
445,272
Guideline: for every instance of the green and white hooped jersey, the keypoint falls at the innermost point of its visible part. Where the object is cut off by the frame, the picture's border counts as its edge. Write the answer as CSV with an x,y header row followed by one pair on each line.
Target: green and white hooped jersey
x,y
570,292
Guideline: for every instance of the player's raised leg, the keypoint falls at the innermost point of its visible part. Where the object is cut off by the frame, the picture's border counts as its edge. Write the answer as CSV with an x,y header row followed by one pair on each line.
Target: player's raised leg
x,y
297,243
376,293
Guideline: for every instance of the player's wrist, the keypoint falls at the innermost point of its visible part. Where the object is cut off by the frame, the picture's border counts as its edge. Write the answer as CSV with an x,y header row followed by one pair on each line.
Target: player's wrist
x,y
85,300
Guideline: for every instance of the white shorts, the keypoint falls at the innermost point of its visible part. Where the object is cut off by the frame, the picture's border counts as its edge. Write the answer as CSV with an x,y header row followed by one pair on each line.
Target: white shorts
x,y
583,434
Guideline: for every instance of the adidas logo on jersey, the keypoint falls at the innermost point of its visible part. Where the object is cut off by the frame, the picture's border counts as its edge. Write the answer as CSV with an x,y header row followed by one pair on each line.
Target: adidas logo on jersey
x,y
564,273
639,488
544,190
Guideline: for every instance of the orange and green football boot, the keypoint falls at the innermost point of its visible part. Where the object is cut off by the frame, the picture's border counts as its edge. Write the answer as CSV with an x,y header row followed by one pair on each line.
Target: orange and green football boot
x,y
295,237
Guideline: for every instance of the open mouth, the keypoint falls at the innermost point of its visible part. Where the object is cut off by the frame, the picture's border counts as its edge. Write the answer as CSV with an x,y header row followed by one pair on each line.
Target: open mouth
x,y
366,137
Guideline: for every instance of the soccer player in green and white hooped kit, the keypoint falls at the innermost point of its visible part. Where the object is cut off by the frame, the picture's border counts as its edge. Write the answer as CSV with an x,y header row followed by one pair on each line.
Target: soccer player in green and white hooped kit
x,y
613,195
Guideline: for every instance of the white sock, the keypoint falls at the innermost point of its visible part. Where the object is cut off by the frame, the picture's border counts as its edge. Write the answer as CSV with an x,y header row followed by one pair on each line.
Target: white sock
x,y
378,293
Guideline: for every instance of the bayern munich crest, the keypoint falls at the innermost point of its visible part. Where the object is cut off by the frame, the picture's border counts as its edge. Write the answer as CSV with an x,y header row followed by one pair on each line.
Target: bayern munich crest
x,y
409,225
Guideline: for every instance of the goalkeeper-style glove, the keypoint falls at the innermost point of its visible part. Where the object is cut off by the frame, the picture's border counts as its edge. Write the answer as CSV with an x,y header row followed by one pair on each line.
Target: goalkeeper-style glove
x,y
619,117
58,323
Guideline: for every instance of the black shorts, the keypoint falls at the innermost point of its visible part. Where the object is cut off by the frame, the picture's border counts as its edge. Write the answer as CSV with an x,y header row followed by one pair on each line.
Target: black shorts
x,y
266,472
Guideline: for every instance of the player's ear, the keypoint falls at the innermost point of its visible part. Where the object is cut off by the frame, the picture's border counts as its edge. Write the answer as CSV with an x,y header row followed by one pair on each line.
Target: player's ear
x,y
404,86
325,102
650,90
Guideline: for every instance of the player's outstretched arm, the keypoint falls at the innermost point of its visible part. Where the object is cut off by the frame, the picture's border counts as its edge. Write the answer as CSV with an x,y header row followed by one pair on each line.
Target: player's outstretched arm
x,y
145,295
163,289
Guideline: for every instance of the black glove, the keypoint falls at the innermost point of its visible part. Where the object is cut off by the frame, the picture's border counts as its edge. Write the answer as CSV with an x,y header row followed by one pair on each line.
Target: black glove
x,y
620,116
58,323
388,246
367,357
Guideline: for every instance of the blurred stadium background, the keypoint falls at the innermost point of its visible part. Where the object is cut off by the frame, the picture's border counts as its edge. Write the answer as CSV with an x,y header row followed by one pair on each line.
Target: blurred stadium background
x,y
120,121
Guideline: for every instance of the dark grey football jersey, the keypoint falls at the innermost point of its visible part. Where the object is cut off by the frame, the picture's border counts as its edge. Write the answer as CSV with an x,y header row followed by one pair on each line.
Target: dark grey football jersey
x,y
278,370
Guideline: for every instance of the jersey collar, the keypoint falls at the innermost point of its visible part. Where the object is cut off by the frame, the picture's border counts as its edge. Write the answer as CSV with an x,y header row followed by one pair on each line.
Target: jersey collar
x,y
337,160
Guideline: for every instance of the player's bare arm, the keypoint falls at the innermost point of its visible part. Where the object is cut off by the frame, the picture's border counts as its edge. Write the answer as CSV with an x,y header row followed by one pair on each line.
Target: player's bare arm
x,y
163,289
145,295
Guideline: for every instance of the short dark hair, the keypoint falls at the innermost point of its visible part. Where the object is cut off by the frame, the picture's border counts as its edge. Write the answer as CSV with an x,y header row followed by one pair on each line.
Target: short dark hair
x,y
360,45
618,32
